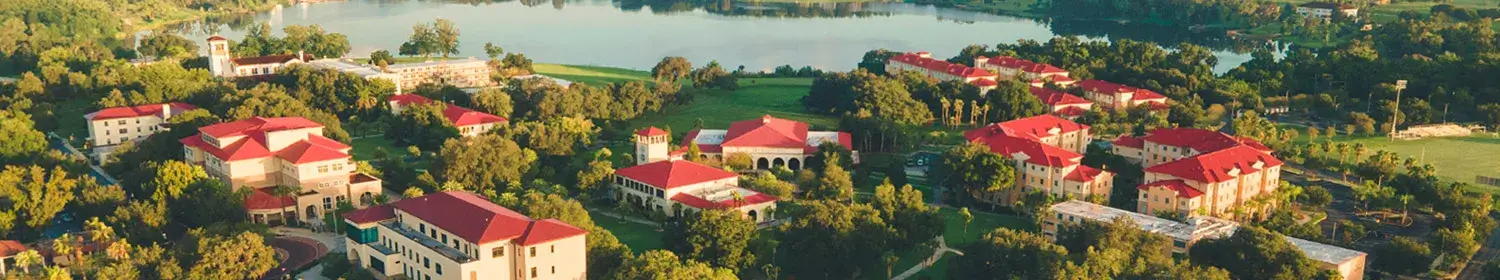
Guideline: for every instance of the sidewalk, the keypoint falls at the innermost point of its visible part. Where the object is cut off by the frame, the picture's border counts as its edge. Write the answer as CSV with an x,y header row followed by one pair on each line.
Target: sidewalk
x,y
936,255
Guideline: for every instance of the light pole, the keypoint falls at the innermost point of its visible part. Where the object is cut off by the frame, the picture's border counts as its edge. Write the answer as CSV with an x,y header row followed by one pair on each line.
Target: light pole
x,y
1396,112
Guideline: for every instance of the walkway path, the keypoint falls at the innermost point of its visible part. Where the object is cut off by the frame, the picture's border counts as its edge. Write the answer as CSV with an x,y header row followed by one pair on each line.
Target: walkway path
x,y
936,255
1475,268
299,253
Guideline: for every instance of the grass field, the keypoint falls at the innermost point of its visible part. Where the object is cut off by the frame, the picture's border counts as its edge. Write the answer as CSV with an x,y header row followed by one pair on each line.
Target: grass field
x,y
592,75
779,97
639,237
70,122
1457,159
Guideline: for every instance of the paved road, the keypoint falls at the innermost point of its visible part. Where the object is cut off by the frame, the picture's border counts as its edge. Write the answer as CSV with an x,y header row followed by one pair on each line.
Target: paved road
x,y
1475,269
299,252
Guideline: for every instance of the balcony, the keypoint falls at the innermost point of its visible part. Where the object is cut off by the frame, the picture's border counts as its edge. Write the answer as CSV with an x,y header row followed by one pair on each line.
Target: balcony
x,y
384,251
426,241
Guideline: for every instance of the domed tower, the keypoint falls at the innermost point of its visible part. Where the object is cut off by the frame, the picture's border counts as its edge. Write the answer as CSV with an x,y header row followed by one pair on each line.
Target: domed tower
x,y
651,145
219,57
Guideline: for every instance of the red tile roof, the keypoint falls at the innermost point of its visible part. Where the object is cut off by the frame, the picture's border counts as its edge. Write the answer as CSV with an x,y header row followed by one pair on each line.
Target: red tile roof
x,y
985,83
371,215
247,148
1214,166
1061,79
1157,106
1071,111
1035,127
700,203
467,216
1117,89
459,116
306,151
960,70
548,230
1182,188
217,38
138,111
651,131
1201,140
269,59
11,248
1083,173
255,125
1053,97
1036,152
767,131
261,199
673,173
1129,141
1024,65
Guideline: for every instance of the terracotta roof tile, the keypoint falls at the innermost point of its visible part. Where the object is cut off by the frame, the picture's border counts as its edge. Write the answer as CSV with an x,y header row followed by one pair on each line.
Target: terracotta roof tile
x,y
1213,167
651,131
138,111
1182,188
767,131
269,59
370,215
11,248
1083,173
548,230
1053,97
261,199
466,215
257,124
673,173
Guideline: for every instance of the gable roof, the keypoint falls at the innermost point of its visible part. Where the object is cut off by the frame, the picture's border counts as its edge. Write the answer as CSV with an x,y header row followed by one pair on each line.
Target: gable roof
x,y
217,38
1054,97
1202,140
767,131
1036,152
700,203
307,151
256,125
960,70
1034,127
11,248
543,231
261,199
139,111
1176,185
466,215
1213,167
269,59
670,174
370,215
1024,65
459,116
1129,141
1104,87
1083,173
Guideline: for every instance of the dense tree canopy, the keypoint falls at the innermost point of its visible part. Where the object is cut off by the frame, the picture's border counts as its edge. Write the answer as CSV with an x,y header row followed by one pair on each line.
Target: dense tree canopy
x,y
485,162
311,40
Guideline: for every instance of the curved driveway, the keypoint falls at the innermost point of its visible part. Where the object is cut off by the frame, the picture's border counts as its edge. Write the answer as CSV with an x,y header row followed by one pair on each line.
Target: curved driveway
x,y
299,253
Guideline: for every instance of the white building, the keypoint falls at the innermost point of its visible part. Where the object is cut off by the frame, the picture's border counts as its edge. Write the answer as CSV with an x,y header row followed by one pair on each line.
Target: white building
x,y
1325,10
674,186
459,235
364,71
769,141
222,63
1348,263
110,127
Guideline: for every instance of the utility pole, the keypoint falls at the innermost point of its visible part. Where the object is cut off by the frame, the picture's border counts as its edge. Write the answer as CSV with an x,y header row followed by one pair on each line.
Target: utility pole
x,y
1396,112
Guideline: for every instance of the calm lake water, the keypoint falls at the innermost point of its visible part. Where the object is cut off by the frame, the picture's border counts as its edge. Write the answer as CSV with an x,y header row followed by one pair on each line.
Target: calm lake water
x,y
759,36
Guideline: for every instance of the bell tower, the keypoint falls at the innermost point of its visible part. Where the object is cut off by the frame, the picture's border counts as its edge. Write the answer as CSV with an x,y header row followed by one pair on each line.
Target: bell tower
x,y
219,57
651,145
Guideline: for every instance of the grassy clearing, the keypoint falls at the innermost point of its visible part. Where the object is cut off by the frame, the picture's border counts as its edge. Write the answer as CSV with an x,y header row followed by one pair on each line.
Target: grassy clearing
x,y
70,122
779,97
1457,159
639,237
592,75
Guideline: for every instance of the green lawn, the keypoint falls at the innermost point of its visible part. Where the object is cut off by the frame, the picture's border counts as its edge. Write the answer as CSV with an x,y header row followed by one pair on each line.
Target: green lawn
x,y
364,148
1457,159
592,75
70,122
639,237
779,97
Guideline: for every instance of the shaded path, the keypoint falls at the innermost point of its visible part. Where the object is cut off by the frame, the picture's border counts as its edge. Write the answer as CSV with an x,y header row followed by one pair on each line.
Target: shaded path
x,y
1475,268
936,255
299,253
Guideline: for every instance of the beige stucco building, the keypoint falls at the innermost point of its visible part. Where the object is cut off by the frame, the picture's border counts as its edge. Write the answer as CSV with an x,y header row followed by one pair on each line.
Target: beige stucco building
x,y
264,153
769,141
458,235
922,62
1203,172
1348,263
464,73
1121,97
675,186
110,127
1047,153
1024,70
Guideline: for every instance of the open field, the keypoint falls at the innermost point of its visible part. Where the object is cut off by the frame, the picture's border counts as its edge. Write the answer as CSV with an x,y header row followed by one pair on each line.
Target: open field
x,y
1457,159
779,97
592,75
70,122
639,237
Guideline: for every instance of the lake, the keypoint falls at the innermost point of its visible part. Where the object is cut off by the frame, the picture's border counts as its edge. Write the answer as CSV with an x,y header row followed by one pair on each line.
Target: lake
x,y
759,36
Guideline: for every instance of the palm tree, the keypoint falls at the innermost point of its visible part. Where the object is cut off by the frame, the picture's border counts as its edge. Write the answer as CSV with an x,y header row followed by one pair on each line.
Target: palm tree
x,y
58,273
27,258
120,250
63,245
102,233
946,105
890,259
282,191
1360,150
1343,150
1405,199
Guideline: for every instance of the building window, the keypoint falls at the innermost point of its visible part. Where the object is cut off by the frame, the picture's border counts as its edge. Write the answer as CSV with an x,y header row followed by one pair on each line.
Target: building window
x,y
533,272
422,227
497,252
426,262
322,169
533,251
124,130
554,269
439,269
554,249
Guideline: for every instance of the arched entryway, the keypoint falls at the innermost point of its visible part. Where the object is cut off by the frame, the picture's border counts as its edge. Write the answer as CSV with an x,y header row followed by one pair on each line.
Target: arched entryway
x,y
366,199
762,164
778,162
312,212
754,217
794,164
